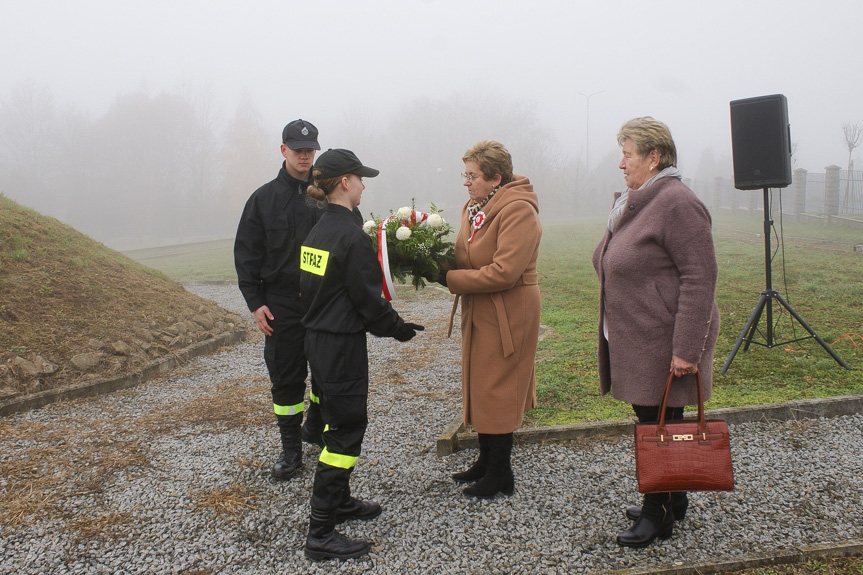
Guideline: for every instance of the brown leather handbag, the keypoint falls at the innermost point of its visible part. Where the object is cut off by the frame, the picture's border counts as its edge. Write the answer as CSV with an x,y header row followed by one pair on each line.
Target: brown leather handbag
x,y
690,455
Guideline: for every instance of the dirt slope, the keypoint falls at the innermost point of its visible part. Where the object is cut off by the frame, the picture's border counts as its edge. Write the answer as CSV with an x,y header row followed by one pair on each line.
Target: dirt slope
x,y
72,310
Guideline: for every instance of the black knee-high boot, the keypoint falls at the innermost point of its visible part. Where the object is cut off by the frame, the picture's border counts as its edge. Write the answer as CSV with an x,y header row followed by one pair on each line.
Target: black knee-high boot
x,y
477,470
498,476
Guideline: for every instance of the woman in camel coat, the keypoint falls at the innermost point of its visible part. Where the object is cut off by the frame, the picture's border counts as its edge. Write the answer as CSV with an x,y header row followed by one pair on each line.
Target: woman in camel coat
x,y
495,277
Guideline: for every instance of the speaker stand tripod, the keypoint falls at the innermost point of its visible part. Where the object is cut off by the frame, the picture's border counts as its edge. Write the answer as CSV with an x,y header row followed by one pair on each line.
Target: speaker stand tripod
x,y
766,302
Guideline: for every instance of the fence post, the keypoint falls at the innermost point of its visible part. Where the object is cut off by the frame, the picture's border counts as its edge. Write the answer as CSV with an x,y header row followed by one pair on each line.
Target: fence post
x,y
799,193
831,192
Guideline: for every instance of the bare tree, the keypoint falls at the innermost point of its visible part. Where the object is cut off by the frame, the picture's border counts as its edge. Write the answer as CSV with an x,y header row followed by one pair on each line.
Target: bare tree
x,y
853,137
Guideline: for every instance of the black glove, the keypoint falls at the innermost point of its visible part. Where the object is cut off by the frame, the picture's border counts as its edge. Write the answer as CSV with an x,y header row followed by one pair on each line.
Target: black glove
x,y
407,331
438,277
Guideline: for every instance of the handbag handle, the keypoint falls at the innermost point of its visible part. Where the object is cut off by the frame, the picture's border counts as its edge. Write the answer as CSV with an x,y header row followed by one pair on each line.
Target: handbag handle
x,y
702,422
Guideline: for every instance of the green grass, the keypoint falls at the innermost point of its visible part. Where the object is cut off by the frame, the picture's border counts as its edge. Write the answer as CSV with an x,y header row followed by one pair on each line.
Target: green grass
x,y
824,285
202,261
822,273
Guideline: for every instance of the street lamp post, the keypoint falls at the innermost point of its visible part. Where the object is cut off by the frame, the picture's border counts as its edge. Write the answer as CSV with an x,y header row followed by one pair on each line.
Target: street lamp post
x,y
587,97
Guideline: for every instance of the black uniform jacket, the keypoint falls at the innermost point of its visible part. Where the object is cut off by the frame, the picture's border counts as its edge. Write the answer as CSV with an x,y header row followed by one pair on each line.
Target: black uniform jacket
x,y
276,219
341,279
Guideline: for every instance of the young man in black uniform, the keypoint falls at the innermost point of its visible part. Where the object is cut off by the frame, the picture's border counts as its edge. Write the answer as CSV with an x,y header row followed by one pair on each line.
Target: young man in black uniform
x,y
276,219
341,284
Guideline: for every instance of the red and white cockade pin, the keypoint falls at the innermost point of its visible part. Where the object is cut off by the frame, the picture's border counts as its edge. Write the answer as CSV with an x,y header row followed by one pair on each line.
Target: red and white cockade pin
x,y
478,221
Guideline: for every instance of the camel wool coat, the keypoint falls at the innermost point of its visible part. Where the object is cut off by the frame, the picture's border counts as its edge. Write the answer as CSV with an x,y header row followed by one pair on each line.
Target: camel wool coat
x,y
657,276
496,278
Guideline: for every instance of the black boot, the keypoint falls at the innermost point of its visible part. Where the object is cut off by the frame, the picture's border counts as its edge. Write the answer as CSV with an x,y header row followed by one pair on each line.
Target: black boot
x,y
324,542
477,470
498,477
679,505
313,426
656,521
291,459
354,508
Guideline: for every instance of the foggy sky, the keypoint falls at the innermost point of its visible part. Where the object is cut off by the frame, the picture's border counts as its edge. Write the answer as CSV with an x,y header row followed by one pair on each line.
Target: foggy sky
x,y
334,61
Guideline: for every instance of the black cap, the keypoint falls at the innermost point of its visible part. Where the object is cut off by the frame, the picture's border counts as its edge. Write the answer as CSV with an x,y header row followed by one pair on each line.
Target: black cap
x,y
338,162
301,135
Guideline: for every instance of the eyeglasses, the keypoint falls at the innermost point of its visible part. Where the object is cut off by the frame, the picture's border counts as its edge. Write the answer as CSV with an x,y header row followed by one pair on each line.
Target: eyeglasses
x,y
470,177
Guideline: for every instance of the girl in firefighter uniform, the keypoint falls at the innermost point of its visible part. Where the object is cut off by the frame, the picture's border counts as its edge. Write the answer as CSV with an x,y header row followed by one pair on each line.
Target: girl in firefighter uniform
x,y
341,285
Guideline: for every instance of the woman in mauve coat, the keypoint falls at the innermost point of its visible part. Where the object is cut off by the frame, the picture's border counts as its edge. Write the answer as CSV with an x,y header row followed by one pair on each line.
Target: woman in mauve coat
x,y
495,277
657,276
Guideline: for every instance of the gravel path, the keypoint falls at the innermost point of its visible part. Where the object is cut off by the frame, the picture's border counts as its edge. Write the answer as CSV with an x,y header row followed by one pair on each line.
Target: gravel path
x,y
173,477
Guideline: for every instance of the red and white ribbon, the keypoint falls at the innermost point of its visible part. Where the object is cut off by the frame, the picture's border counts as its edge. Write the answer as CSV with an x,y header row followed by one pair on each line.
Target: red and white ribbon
x,y
383,259
416,218
478,221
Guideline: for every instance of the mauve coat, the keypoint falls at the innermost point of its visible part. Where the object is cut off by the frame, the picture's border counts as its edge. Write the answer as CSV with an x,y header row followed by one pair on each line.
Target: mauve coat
x,y
496,278
657,275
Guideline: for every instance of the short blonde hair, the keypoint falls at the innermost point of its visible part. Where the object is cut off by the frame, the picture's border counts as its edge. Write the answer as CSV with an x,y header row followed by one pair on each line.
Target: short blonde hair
x,y
492,158
648,134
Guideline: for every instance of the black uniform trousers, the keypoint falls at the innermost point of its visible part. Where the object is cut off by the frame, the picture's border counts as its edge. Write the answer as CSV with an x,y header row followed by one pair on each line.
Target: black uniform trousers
x,y
285,356
656,505
341,367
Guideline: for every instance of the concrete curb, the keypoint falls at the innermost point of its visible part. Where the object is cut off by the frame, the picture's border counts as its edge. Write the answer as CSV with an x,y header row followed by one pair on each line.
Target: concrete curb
x,y
161,365
850,548
455,437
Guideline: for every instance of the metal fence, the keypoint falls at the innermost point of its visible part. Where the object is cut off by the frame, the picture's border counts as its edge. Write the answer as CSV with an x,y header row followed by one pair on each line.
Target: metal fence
x,y
834,196
851,192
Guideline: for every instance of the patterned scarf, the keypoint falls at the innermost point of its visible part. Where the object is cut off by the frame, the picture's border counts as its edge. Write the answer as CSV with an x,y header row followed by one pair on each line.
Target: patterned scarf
x,y
473,208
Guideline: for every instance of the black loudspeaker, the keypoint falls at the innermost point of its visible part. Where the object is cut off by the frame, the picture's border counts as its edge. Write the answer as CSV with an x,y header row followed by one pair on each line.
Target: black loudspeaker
x,y
761,142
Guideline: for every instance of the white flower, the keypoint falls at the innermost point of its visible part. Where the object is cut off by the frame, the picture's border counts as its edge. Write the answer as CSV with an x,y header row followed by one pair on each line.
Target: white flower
x,y
369,227
404,213
403,232
435,221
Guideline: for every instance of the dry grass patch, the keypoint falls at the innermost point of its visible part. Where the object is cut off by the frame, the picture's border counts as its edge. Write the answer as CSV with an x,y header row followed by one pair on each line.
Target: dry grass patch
x,y
392,378
20,500
113,456
26,491
231,503
429,354
77,457
434,394
37,484
234,404
65,460
247,463
99,526
41,432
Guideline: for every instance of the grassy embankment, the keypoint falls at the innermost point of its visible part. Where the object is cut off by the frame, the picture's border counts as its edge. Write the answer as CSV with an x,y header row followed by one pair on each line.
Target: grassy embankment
x,y
822,279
